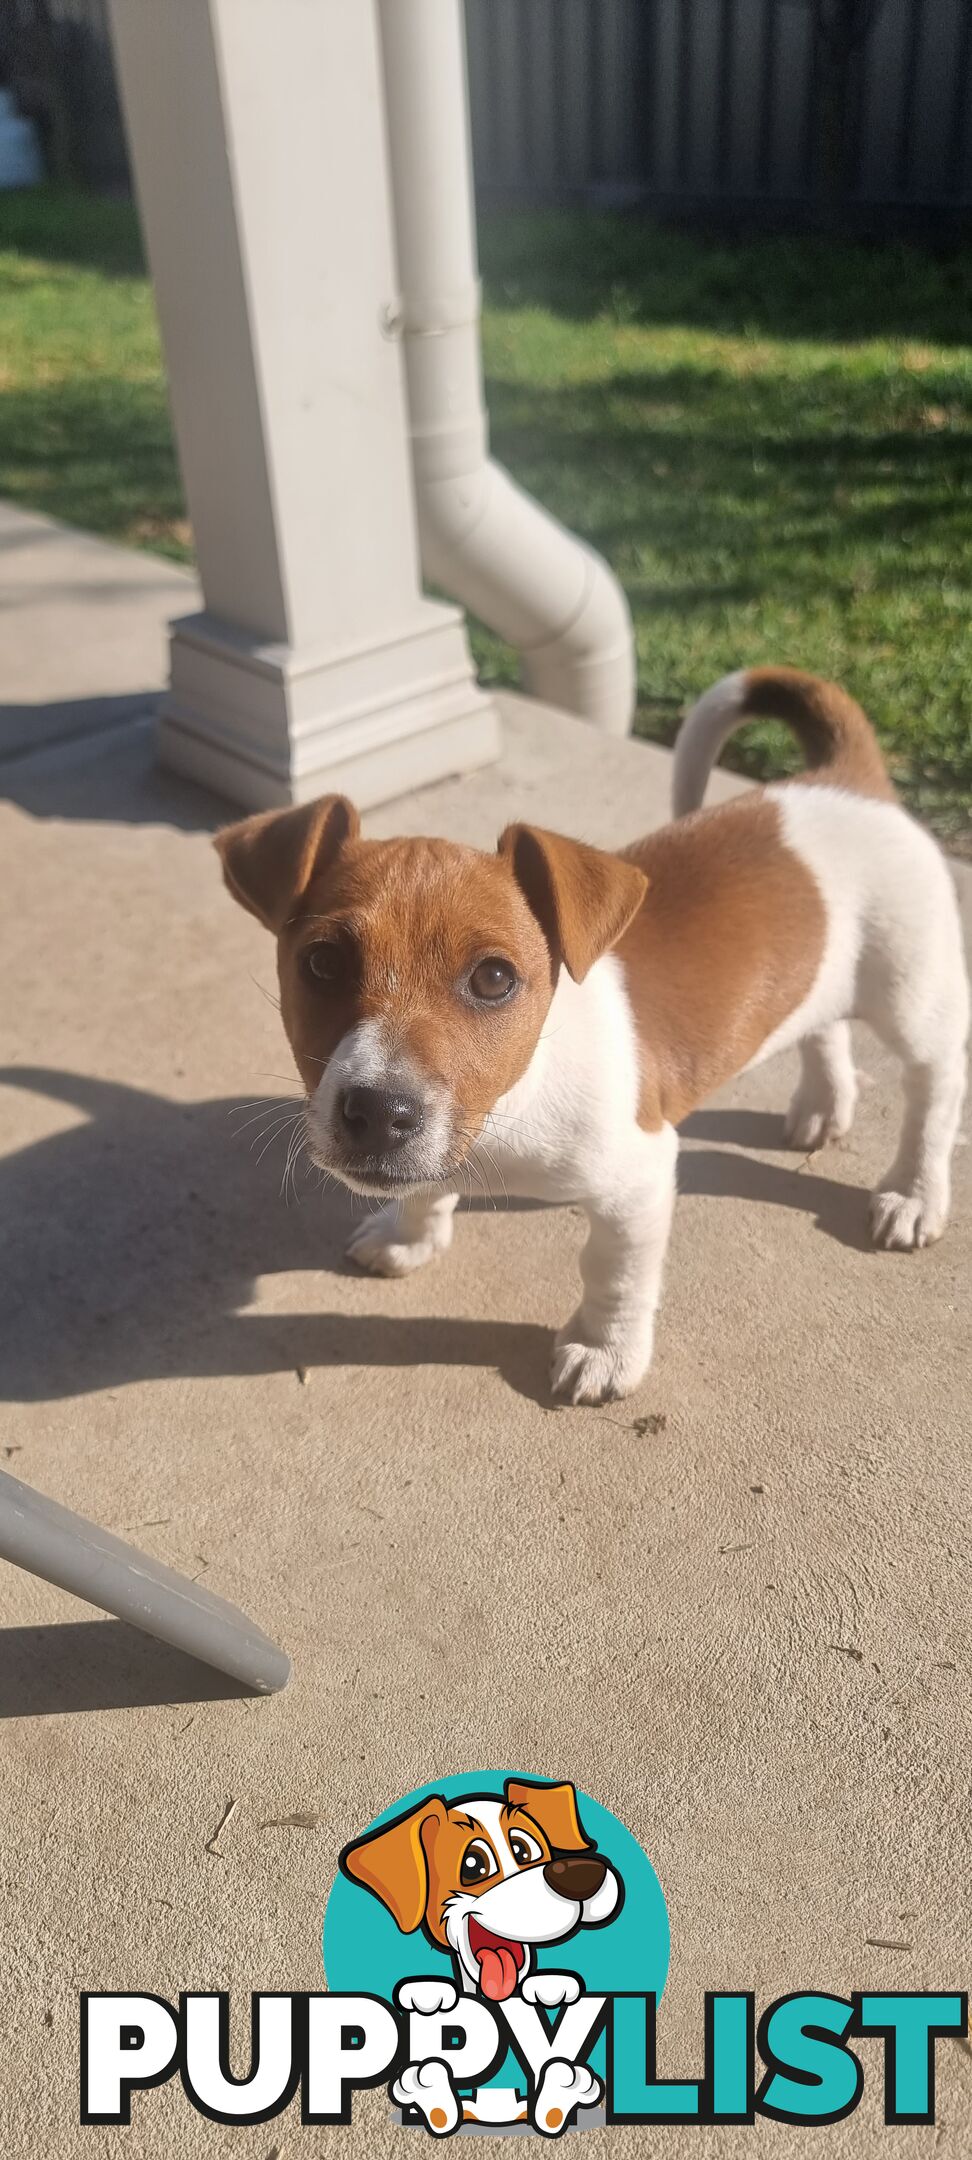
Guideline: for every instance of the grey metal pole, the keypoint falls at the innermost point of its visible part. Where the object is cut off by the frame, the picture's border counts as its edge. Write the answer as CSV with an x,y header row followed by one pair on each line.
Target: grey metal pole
x,y
63,1548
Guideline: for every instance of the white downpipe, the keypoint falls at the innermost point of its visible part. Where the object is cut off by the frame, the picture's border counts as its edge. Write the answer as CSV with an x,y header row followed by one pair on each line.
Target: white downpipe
x,y
485,542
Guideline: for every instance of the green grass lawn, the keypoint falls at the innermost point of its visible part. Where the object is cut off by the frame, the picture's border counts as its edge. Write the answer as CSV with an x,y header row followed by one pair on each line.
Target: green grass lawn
x,y
771,441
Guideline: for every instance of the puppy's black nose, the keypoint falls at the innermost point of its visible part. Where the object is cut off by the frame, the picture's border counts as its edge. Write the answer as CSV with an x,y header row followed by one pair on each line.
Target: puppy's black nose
x,y
376,1119
576,1875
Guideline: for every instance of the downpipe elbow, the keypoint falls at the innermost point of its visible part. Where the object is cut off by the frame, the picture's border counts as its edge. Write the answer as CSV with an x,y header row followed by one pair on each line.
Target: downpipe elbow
x,y
553,599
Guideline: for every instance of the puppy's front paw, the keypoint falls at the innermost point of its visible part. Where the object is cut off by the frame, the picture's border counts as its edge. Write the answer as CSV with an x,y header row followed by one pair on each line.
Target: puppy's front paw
x,y
388,1244
589,1373
563,2087
904,1222
428,2087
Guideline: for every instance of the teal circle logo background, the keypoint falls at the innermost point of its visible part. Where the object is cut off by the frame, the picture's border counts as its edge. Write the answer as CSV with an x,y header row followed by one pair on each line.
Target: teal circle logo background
x,y
366,1953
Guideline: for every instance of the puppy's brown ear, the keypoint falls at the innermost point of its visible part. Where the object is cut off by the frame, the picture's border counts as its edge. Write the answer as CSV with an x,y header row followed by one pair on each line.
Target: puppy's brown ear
x,y
554,1808
393,1862
268,861
582,898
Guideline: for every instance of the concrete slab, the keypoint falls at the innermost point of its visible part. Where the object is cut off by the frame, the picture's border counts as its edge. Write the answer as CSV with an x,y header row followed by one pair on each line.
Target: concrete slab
x,y
82,630
747,1630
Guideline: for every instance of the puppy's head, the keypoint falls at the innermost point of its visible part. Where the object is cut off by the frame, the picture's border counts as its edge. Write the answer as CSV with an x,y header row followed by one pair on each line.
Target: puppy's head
x,y
489,1878
415,976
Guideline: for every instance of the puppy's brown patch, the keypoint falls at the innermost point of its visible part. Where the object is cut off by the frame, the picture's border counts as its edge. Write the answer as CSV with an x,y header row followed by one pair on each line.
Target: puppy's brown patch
x,y
726,946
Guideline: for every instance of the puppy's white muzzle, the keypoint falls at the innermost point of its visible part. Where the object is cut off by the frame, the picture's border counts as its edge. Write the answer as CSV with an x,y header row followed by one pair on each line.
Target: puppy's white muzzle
x,y
375,1121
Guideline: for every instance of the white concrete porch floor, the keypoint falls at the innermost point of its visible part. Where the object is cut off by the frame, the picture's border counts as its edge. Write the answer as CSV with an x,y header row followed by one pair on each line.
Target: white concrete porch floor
x,y
747,1630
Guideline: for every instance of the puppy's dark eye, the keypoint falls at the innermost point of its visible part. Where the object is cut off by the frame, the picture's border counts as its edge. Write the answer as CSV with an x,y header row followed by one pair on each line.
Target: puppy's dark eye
x,y
492,980
524,1849
323,963
477,1864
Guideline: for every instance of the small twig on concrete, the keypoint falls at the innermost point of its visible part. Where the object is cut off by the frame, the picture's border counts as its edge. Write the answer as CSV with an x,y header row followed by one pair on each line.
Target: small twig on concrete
x,y
212,1843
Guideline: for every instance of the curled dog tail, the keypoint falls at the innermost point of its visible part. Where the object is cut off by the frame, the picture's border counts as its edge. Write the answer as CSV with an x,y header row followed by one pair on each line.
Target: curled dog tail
x,y
839,741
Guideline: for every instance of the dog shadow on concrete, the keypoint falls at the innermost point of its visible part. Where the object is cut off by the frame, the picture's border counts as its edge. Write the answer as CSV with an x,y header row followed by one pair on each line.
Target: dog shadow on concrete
x,y
131,1241
838,1209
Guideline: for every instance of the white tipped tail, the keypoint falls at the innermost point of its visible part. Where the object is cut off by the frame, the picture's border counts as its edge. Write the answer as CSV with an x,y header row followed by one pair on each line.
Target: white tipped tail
x,y
704,730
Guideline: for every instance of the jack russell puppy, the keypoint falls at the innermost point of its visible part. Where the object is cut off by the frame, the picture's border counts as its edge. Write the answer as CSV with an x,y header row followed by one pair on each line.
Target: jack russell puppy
x,y
491,1879
547,1016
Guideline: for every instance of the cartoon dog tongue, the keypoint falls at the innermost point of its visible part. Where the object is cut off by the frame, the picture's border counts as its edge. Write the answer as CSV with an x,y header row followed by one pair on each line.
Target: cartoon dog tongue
x,y
498,1968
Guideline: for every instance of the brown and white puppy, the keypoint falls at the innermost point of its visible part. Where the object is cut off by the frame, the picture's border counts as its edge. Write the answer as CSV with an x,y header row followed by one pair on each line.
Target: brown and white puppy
x,y
490,1878
545,1017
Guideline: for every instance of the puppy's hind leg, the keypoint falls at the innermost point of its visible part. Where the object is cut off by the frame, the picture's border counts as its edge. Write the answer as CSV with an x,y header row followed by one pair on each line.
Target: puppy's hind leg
x,y
825,1097
913,990
910,1207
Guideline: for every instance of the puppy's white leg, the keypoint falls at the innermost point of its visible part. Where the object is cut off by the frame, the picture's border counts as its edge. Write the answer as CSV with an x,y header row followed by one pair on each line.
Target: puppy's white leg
x,y
605,1348
910,1207
404,1235
923,1014
825,1097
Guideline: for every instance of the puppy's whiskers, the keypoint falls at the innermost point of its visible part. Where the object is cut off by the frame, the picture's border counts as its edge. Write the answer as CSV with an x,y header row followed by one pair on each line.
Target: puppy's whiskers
x,y
497,1167
264,1117
297,1144
282,1125
265,1102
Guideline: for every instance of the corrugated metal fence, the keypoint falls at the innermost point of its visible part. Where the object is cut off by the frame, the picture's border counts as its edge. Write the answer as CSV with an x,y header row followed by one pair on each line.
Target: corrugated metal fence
x,y
791,108
735,103
57,54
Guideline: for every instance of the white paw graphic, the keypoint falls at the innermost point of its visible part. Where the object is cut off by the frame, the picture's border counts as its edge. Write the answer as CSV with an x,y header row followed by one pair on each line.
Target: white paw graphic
x,y
382,1243
428,2087
581,1373
426,1996
550,1989
563,2087
903,1222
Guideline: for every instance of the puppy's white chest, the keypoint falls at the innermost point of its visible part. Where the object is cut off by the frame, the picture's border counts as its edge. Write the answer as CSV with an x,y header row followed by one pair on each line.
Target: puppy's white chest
x,y
577,1103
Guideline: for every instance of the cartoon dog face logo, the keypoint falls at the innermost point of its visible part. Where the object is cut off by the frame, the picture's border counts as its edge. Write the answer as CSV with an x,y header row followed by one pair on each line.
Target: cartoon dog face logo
x,y
489,1878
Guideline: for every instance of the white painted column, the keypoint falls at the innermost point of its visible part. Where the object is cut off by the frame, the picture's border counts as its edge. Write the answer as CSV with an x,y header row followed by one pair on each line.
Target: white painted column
x,y
258,148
